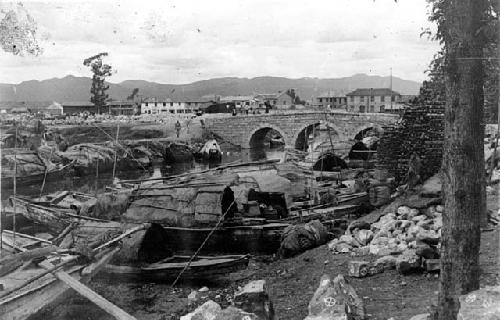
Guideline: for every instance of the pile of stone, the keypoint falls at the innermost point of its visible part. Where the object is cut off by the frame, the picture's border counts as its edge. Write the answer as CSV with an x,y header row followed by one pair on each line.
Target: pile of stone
x,y
406,237
250,302
420,131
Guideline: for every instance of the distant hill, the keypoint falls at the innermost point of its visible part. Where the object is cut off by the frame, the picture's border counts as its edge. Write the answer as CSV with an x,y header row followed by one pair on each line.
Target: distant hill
x,y
72,88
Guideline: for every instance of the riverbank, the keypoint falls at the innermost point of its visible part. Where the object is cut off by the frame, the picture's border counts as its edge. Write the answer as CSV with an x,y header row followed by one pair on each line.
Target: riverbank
x,y
291,284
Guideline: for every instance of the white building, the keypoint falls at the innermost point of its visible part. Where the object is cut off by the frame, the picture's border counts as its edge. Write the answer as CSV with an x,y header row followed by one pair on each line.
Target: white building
x,y
153,106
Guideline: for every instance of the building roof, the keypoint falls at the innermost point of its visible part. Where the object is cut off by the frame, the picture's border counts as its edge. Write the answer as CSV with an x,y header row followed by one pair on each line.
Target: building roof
x,y
236,98
54,105
266,95
120,103
332,94
373,92
78,104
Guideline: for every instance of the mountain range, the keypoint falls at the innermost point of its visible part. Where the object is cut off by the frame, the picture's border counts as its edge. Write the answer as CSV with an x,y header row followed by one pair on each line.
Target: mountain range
x,y
71,88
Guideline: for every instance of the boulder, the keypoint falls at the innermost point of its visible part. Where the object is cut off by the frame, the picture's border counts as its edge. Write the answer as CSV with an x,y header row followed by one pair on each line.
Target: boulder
x,y
404,211
423,316
232,313
418,218
350,240
483,304
440,208
253,298
408,262
326,302
335,300
364,236
343,247
425,251
428,236
357,224
207,311
387,262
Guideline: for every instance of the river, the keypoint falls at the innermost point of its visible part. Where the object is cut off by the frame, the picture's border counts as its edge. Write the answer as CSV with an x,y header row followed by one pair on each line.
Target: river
x,y
94,185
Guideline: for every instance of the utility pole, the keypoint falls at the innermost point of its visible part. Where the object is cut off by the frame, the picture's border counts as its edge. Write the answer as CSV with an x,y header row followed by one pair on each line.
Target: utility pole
x,y
391,87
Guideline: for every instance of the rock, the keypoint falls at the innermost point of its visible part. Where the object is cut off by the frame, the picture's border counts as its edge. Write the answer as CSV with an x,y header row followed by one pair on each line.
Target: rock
x,y
364,236
428,236
414,212
203,289
483,304
232,313
193,296
438,223
440,208
358,269
253,298
355,307
207,311
432,265
379,250
423,316
387,262
362,251
327,302
404,211
425,224
350,240
332,245
426,251
408,262
343,247
418,218
357,224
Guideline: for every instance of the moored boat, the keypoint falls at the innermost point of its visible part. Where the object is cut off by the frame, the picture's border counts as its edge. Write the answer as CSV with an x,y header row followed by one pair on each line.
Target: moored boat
x,y
201,267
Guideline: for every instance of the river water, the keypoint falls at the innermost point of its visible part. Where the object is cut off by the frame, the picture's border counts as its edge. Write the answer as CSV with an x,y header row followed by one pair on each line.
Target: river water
x,y
94,185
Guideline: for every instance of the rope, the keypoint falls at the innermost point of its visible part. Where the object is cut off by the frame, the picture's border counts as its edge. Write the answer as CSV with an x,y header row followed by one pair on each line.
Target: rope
x,y
202,244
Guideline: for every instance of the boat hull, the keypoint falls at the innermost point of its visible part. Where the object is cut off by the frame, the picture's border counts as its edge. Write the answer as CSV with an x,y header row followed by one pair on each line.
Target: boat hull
x,y
259,239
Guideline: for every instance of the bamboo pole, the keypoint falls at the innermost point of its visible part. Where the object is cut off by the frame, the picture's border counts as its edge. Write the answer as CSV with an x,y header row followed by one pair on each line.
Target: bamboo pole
x,y
15,188
116,151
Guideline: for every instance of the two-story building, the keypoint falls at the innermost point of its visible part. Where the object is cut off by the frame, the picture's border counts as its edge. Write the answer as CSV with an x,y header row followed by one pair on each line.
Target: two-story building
x,y
371,100
331,100
168,106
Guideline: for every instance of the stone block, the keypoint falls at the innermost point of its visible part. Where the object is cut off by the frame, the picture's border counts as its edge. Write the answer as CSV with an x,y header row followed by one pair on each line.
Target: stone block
x,y
432,265
483,304
253,298
358,269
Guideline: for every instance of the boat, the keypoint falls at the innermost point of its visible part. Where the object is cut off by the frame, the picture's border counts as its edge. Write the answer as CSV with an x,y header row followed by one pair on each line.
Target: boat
x,y
55,218
29,286
201,267
210,152
238,239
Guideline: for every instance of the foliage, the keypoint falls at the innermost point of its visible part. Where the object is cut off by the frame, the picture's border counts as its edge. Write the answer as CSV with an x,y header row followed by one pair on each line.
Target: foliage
x,y
490,33
18,32
295,98
100,72
134,94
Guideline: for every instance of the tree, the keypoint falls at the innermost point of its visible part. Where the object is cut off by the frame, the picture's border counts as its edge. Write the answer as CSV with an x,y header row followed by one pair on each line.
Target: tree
x,y
100,72
133,94
461,28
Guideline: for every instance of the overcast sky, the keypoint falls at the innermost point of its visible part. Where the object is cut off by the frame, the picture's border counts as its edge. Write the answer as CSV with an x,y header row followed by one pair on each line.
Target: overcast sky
x,y
185,41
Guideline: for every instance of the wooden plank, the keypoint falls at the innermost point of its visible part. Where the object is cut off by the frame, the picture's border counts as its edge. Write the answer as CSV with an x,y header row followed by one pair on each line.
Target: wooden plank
x,y
125,234
89,294
29,254
28,236
103,260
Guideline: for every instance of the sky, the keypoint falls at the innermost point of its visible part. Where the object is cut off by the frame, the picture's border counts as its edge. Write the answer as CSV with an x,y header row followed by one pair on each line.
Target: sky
x,y
187,40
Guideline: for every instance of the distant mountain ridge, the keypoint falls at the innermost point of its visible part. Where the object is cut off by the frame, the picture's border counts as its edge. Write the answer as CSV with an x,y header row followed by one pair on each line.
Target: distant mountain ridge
x,y
71,88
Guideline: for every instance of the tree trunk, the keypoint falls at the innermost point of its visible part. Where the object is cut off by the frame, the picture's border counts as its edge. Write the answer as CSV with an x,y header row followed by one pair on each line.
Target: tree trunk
x,y
463,156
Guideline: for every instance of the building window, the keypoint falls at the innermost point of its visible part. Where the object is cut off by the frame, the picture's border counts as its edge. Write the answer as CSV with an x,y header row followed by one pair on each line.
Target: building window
x,y
146,104
362,98
352,98
382,108
382,98
319,100
164,104
393,98
372,108
362,109
372,98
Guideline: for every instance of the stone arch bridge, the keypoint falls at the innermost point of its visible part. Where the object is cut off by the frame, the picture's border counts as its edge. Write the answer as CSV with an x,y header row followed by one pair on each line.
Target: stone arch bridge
x,y
249,130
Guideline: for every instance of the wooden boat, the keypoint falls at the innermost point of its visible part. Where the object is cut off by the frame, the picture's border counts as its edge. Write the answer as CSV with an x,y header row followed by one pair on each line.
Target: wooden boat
x,y
54,217
240,239
202,267
40,286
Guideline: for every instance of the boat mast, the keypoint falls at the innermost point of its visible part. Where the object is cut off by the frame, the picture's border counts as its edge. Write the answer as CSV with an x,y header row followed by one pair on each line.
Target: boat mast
x,y
116,150
15,189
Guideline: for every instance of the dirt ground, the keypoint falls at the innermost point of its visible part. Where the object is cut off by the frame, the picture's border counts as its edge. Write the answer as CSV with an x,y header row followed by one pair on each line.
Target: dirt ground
x,y
291,283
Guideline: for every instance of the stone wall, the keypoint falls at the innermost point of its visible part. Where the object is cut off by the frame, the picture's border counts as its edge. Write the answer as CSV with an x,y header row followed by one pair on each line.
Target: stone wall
x,y
239,130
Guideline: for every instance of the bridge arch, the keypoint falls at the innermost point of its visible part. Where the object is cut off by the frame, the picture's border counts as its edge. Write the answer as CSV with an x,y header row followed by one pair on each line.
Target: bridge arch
x,y
257,134
299,140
